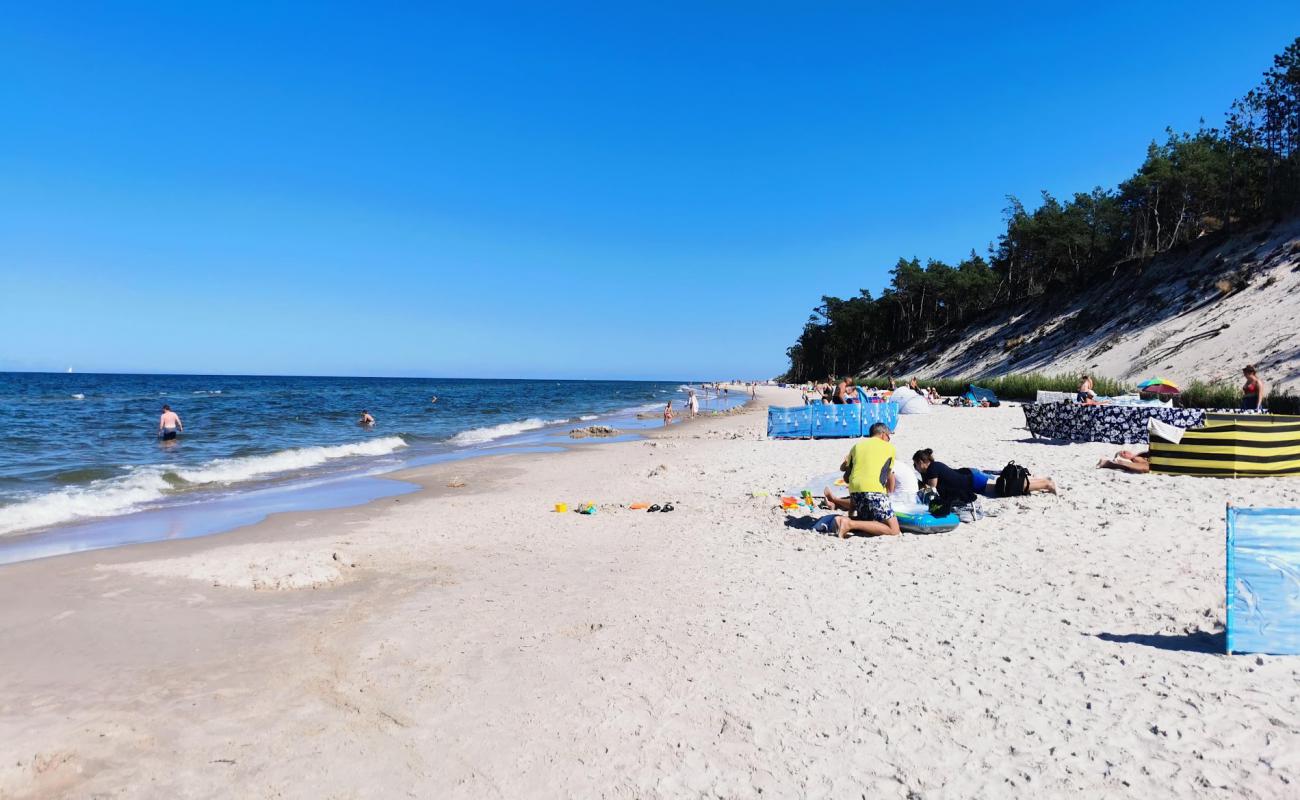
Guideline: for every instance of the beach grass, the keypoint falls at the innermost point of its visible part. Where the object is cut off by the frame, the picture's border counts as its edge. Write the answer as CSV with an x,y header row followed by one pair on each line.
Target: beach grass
x,y
1024,387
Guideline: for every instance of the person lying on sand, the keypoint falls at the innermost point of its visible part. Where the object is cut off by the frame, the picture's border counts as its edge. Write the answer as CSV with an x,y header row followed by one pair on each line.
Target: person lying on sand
x,y
1128,461
869,471
957,487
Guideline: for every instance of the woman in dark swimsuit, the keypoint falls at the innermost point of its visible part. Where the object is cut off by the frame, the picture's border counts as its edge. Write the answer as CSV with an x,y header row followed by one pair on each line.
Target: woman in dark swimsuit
x,y
1254,392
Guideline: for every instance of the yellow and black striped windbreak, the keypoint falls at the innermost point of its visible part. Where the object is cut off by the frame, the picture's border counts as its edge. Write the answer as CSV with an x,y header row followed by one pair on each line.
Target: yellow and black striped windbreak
x,y
1233,446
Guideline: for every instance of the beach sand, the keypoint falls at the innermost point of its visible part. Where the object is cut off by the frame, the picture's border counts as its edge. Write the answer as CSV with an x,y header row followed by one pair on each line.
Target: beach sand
x,y
470,642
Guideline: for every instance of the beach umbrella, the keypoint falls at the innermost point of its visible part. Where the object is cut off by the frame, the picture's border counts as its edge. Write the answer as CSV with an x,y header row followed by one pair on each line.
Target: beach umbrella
x,y
1159,386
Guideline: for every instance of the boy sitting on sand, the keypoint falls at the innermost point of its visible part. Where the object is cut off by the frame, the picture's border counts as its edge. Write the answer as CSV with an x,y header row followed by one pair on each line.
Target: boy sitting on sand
x,y
869,470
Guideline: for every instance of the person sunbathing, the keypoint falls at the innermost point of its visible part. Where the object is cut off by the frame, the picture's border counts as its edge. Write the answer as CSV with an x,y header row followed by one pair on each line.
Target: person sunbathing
x,y
1128,461
956,485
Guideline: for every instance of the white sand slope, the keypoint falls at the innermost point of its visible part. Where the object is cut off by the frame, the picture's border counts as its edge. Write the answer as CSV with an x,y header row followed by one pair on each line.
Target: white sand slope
x,y
485,646
1202,313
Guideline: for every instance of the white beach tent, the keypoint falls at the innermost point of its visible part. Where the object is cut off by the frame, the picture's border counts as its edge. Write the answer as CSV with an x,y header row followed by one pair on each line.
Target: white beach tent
x,y
910,402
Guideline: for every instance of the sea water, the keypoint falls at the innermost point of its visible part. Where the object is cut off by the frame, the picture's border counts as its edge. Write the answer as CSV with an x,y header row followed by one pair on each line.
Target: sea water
x,y
78,447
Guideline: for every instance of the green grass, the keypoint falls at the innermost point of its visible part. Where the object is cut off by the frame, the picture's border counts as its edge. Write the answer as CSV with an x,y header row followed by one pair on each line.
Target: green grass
x,y
1024,387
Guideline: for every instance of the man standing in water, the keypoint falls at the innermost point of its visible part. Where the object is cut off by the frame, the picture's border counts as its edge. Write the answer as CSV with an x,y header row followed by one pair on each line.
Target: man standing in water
x,y
169,424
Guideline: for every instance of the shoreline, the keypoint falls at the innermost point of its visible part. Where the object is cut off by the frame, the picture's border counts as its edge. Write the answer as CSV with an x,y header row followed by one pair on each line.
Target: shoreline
x,y
470,642
357,486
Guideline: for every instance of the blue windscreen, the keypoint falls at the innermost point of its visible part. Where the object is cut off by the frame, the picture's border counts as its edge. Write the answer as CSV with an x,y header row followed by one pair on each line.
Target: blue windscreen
x,y
790,423
1263,581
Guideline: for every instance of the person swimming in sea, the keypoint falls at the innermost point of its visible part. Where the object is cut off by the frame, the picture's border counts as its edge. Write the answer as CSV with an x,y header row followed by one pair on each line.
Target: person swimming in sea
x,y
366,419
169,424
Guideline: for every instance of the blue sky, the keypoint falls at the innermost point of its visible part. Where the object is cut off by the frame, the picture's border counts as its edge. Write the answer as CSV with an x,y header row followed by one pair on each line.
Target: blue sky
x,y
633,190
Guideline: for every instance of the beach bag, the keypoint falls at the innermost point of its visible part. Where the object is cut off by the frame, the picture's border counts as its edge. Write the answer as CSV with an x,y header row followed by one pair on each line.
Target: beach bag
x,y
1013,481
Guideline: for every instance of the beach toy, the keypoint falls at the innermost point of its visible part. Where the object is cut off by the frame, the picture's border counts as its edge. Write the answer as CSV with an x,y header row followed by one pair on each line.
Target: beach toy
x,y
916,518
789,503
587,508
1263,577
561,508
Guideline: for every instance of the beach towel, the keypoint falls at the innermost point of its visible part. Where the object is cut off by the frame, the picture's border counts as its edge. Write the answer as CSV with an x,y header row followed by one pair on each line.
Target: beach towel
x,y
1263,581
1163,430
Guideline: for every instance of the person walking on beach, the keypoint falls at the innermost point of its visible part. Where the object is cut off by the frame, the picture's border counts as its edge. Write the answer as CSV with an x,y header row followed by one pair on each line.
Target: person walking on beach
x,y
869,471
692,403
1254,392
668,413
169,424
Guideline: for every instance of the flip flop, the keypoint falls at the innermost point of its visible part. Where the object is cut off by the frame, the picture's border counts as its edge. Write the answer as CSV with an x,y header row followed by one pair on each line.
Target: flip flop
x,y
667,507
654,507
638,506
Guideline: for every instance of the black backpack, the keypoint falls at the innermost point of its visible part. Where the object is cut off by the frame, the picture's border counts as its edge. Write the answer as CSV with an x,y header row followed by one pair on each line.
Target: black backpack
x,y
1013,481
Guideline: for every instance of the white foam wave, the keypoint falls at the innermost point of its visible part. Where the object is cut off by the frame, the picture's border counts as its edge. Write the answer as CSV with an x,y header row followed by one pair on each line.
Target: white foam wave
x,y
113,496
78,396
97,499
483,435
234,470
588,417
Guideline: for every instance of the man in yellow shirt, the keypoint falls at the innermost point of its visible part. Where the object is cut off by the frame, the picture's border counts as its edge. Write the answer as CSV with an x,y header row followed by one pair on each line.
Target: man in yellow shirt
x,y
869,470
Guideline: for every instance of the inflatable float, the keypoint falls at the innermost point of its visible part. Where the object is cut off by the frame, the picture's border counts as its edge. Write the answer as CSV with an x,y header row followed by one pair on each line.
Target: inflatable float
x,y
916,518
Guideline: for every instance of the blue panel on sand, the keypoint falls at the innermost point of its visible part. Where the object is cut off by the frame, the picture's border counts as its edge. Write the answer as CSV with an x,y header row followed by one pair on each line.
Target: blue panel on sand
x,y
836,422
1263,581
879,412
789,423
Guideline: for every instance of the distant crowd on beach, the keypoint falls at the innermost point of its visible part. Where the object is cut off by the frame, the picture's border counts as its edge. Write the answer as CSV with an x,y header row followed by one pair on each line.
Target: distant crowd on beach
x,y
846,392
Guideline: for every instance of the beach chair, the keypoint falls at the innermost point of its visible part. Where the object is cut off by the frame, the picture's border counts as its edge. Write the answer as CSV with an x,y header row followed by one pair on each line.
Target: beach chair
x,y
1263,581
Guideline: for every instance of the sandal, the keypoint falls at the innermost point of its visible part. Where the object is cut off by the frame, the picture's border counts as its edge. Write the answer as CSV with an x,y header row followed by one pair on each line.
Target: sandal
x,y
654,507
667,507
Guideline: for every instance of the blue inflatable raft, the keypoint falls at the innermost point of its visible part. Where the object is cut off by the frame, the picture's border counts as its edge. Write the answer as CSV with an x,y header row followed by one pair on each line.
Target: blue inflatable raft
x,y
917,518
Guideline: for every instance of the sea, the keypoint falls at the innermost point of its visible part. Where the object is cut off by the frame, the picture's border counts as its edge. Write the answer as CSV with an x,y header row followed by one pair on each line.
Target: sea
x,y
81,461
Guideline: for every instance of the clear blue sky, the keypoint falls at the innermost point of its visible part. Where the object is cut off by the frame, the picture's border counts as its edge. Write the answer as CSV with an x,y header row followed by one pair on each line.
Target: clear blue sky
x,y
643,190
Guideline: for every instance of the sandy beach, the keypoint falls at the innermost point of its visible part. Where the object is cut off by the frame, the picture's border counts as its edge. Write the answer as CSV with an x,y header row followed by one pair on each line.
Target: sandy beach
x,y
471,642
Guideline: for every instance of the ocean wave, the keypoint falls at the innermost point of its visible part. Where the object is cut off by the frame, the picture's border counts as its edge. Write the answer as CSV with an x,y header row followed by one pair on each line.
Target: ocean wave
x,y
235,470
483,435
78,396
588,417
98,499
120,495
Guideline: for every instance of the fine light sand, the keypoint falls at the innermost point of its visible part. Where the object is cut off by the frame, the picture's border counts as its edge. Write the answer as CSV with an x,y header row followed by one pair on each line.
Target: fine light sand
x,y
471,642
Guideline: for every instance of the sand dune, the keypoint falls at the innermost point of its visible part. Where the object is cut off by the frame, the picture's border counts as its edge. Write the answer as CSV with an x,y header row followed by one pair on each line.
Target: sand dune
x,y
1201,313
